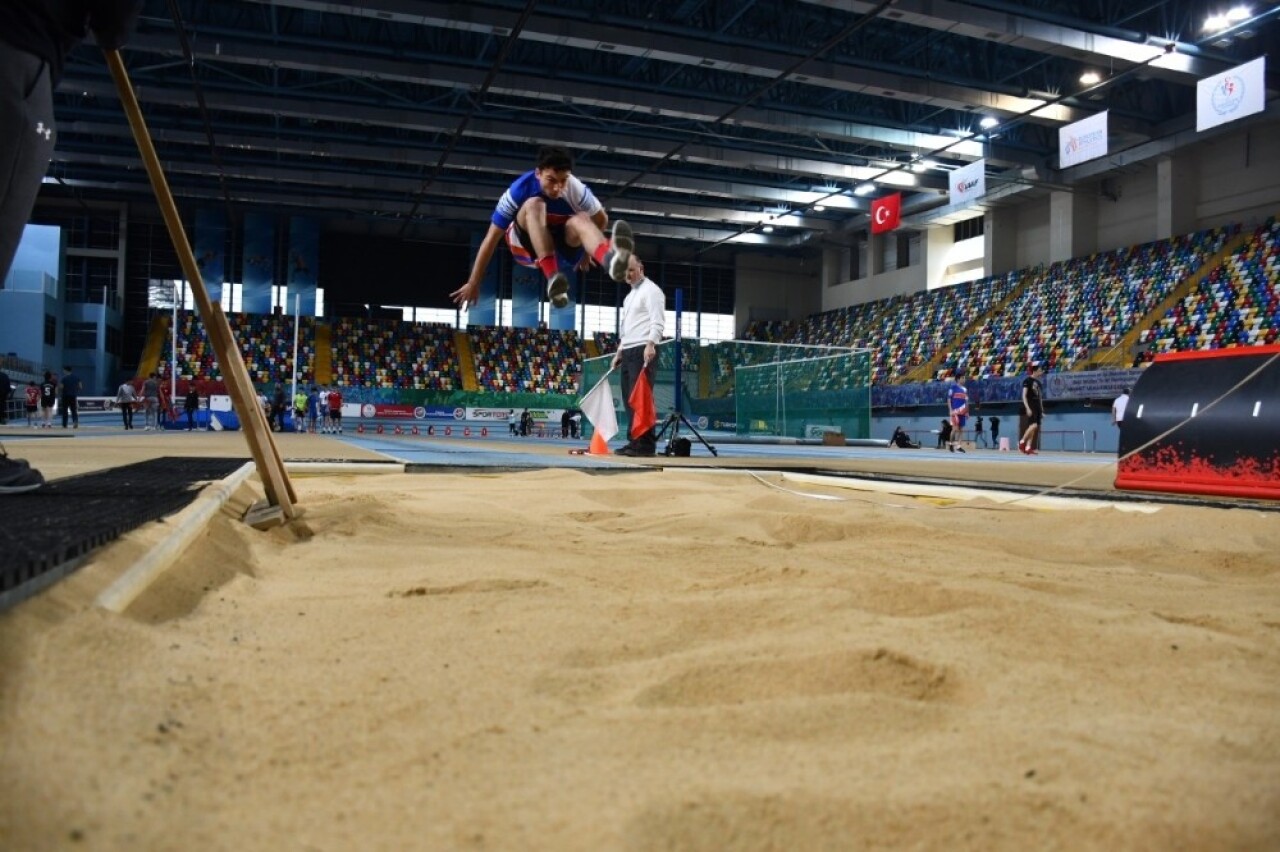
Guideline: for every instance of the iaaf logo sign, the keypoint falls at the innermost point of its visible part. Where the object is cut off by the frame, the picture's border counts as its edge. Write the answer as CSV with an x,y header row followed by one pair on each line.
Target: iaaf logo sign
x,y
969,182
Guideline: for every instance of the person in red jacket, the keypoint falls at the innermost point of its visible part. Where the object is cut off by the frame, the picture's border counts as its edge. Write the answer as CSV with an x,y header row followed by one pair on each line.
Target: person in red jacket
x,y
31,402
335,410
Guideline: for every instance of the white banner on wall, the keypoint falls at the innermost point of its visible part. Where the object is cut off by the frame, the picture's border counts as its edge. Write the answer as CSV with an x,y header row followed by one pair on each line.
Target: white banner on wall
x,y
1085,140
1233,94
969,183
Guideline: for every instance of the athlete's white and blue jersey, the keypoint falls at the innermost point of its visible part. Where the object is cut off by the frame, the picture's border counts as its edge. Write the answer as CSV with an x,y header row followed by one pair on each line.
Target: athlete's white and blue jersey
x,y
576,198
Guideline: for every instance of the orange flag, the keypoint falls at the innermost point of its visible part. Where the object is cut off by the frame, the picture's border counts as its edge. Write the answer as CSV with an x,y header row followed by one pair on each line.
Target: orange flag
x,y
645,415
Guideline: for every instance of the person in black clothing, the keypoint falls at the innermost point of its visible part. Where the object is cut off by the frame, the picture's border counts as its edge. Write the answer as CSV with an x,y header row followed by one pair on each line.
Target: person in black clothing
x,y
191,405
278,407
70,390
6,388
944,435
902,439
48,396
995,431
1033,406
35,38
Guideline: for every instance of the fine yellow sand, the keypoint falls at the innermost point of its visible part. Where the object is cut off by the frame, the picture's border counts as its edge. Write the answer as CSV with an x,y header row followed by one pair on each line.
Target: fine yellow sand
x,y
656,660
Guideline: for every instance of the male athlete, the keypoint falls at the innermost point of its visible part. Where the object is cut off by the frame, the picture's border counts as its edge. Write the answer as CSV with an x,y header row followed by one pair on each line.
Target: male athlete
x,y
553,221
958,405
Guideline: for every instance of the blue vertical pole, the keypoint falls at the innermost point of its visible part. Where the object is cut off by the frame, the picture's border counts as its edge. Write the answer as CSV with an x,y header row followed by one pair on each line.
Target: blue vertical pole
x,y
679,361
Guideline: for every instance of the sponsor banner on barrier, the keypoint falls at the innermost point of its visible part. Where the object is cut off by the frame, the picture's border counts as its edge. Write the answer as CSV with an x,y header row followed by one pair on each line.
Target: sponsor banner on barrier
x,y
505,414
388,411
1091,384
444,412
491,414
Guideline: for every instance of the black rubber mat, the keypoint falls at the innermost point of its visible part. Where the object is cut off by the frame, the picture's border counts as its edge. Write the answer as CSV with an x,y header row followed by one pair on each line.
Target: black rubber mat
x,y
59,523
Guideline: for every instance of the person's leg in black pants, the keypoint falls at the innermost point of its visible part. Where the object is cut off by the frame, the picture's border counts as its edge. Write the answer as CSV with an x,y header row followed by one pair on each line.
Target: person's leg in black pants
x,y
126,414
631,364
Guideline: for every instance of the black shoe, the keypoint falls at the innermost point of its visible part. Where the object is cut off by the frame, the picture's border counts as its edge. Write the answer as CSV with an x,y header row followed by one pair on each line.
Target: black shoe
x,y
16,476
635,452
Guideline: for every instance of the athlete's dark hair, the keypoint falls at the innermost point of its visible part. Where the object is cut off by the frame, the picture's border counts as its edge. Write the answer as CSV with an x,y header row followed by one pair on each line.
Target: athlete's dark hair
x,y
553,157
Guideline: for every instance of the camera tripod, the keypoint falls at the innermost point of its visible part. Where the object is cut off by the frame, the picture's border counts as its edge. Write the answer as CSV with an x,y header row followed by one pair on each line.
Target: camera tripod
x,y
672,423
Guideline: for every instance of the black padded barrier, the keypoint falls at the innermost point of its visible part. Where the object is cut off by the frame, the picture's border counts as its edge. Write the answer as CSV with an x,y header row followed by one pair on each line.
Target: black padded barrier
x,y
59,523
1231,448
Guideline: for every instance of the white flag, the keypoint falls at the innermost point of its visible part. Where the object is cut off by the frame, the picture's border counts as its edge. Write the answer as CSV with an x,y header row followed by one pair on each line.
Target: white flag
x,y
597,405
1084,140
969,182
1233,94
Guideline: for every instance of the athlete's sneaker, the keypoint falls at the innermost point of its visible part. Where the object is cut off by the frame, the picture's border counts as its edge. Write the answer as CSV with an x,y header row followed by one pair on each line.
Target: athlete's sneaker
x,y
619,255
558,289
16,476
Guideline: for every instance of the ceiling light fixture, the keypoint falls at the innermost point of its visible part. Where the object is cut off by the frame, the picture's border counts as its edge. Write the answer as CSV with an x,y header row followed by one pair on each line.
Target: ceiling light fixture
x,y
988,123
1090,78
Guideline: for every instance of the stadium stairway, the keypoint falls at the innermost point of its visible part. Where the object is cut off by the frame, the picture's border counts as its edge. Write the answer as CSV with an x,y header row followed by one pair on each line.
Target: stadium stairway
x,y
591,348
466,361
324,355
1121,355
157,335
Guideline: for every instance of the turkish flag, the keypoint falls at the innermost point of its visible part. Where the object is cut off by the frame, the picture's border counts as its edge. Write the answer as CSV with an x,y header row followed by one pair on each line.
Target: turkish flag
x,y
646,416
886,213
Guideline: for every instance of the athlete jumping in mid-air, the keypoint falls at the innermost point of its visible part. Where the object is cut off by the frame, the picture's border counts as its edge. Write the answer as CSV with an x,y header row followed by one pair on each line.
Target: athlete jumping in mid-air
x,y
552,221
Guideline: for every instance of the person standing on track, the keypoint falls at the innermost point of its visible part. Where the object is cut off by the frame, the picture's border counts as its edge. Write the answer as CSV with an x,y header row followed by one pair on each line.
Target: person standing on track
x,y
1033,407
958,406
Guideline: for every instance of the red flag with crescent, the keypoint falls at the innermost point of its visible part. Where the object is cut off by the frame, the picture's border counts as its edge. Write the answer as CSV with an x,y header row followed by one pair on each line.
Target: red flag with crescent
x,y
886,213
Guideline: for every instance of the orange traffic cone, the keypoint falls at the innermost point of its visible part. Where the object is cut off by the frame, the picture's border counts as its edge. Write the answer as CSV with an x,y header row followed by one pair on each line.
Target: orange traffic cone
x,y
598,445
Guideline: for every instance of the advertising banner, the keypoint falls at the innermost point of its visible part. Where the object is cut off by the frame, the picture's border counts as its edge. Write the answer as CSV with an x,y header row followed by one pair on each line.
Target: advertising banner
x,y
259,263
1085,140
485,309
210,251
1233,94
969,183
304,262
392,411
527,287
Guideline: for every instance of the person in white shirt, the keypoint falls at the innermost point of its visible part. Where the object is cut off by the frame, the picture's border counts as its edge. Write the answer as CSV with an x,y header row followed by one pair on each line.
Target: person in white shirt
x,y
1118,407
643,314
323,412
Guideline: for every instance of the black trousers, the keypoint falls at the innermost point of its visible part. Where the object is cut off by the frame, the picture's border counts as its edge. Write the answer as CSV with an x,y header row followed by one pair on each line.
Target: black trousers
x,y
69,409
630,365
126,413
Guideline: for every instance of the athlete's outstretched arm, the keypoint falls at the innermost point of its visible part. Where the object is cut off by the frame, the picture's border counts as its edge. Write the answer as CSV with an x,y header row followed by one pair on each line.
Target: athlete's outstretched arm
x,y
466,295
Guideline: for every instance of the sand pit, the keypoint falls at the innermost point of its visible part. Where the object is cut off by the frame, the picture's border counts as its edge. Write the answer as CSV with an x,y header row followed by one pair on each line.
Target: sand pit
x,y
657,660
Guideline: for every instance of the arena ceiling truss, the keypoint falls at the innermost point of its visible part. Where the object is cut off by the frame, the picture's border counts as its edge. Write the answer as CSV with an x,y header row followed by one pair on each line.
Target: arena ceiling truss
x,y
708,123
